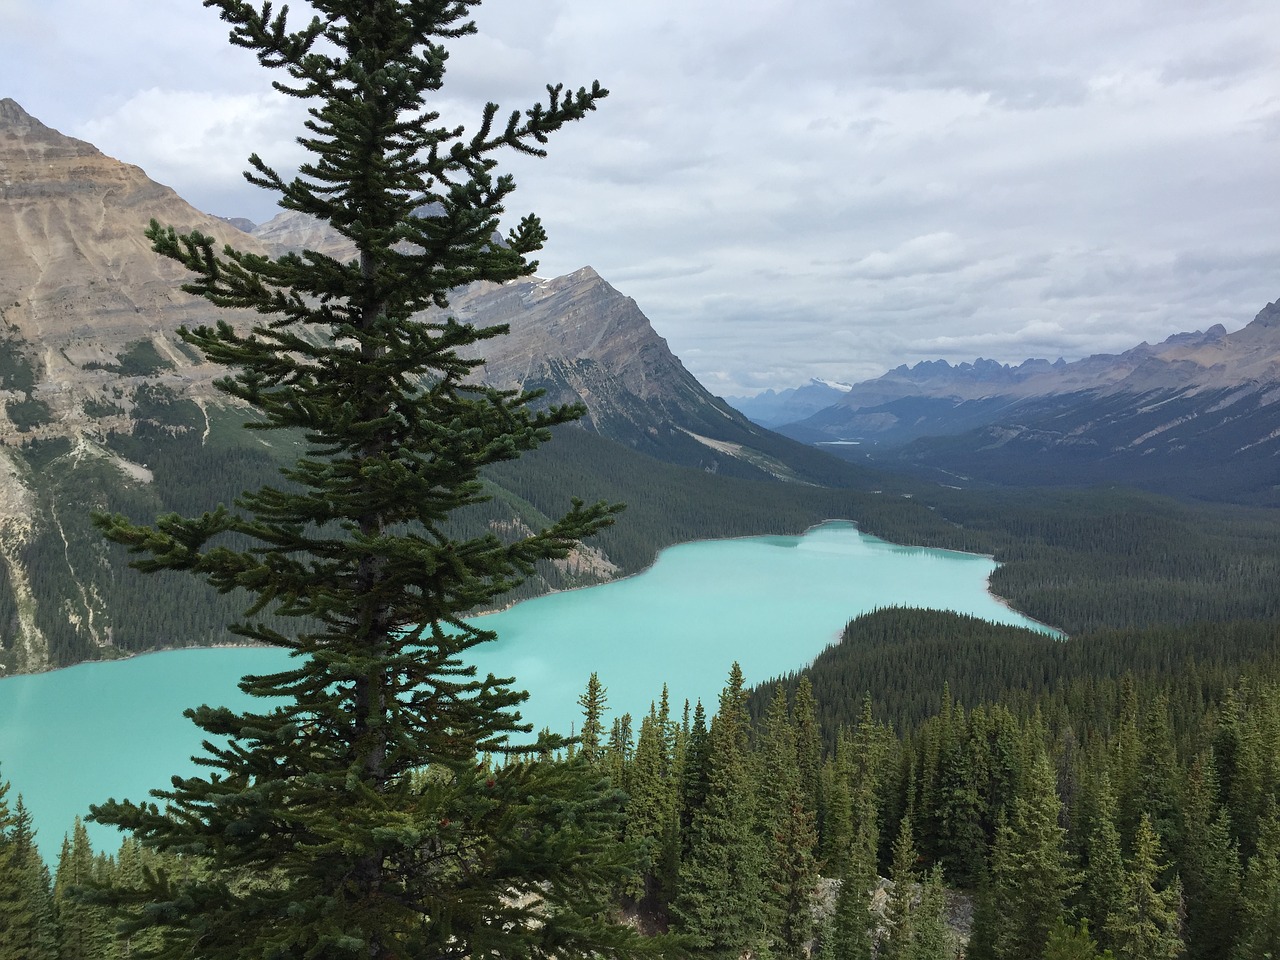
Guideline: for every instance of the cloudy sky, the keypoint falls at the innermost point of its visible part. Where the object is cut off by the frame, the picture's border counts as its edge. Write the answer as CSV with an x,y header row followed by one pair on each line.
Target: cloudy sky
x,y
788,190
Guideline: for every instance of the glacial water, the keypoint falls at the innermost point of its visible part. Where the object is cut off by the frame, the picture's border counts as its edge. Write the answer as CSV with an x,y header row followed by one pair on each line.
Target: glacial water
x,y
77,736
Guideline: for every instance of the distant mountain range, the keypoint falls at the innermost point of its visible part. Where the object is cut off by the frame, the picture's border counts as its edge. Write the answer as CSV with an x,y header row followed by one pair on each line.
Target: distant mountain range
x,y
775,408
1197,415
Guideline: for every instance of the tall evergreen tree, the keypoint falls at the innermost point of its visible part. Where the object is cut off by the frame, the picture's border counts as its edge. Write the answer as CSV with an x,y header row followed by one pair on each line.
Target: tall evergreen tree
x,y
853,924
1260,931
851,931
694,770
618,754
930,939
1146,924
897,941
651,814
720,904
788,833
1073,943
1030,873
26,902
1104,886
808,736
319,839
1210,868
594,701
83,927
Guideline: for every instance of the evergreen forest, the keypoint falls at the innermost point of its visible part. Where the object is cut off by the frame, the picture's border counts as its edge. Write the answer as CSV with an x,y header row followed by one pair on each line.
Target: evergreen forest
x,y
1122,804
930,787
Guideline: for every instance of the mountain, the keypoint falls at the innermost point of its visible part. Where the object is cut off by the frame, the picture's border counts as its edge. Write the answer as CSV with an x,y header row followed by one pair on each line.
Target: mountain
x,y
775,408
1197,415
80,286
106,408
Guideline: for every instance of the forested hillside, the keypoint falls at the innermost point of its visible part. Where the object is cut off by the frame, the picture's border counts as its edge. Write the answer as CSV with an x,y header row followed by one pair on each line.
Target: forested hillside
x,y
1041,799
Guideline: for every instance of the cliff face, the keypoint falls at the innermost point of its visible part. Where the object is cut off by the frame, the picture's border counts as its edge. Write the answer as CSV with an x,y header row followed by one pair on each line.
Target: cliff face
x,y
71,234
81,285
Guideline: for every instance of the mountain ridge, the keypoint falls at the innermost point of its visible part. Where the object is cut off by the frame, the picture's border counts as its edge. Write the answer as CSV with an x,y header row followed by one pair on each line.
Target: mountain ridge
x,y
1197,415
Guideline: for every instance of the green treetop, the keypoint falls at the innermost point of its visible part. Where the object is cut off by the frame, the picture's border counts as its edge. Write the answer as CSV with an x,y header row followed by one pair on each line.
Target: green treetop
x,y
349,816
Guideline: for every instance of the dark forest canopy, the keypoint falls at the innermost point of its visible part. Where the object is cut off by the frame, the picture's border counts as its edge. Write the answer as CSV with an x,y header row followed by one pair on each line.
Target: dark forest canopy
x,y
1128,777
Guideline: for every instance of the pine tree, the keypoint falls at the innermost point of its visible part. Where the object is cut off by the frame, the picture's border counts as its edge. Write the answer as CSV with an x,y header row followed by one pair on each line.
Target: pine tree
x,y
930,939
320,834
1260,931
1073,943
1104,885
720,905
898,911
961,840
808,735
853,924
837,823
618,754
694,770
26,902
651,813
83,932
1146,925
1030,873
1210,868
594,701
788,834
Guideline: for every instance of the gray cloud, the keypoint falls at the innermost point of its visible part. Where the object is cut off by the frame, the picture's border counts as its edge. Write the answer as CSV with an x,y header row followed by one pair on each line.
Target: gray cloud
x,y
825,190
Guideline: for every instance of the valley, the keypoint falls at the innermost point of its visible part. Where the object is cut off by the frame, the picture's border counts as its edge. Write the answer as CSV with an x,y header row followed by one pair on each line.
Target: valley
x,y
1124,500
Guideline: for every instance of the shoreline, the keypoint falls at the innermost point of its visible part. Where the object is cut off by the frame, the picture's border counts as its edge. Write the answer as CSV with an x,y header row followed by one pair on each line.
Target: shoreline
x,y
1049,630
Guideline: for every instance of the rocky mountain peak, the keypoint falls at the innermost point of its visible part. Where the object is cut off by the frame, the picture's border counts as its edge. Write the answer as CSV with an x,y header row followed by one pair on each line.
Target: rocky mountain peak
x,y
81,286
12,114
22,137
1268,316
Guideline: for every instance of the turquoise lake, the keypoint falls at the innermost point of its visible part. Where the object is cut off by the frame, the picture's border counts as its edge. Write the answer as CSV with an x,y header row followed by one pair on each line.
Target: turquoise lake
x,y
77,736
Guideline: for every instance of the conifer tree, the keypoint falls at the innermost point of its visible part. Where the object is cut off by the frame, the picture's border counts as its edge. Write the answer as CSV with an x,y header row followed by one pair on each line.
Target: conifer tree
x,y
836,831
853,925
721,896
651,813
1260,931
618,753
788,832
808,736
898,911
1146,924
961,840
594,701
930,939
1210,868
1104,885
83,932
26,902
1030,873
1067,942
694,769
321,836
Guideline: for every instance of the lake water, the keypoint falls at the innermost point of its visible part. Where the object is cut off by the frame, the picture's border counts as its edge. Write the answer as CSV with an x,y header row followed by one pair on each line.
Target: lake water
x,y
77,736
